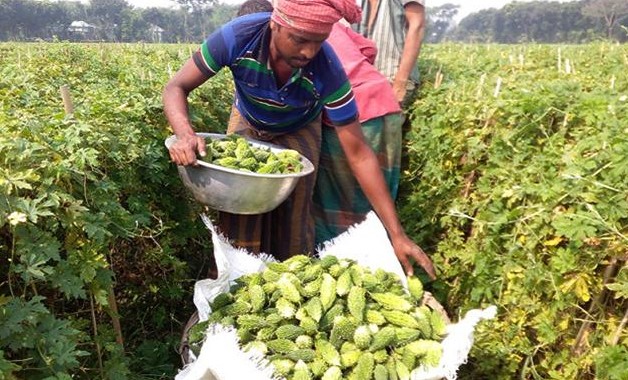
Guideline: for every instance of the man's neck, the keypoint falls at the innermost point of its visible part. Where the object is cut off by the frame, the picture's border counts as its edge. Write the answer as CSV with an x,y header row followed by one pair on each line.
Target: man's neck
x,y
281,69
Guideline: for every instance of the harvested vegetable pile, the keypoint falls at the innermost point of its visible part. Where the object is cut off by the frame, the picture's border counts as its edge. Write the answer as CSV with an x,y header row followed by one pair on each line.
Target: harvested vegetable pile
x,y
330,319
235,152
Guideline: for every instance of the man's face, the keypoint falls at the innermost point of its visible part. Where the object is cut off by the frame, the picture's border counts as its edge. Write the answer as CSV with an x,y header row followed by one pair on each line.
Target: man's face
x,y
295,47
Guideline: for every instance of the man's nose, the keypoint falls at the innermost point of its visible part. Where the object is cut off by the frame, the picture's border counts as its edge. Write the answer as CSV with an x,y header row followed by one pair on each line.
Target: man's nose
x,y
309,50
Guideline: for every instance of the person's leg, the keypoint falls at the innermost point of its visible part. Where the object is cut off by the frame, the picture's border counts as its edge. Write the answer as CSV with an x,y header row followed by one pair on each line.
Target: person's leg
x,y
292,222
338,198
389,151
244,231
411,89
288,229
337,195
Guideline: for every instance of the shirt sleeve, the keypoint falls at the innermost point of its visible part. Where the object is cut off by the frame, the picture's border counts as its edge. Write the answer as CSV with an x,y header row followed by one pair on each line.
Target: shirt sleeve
x,y
338,101
217,51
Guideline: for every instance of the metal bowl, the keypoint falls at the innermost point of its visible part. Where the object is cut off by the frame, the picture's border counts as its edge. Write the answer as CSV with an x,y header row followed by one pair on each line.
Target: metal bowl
x,y
237,191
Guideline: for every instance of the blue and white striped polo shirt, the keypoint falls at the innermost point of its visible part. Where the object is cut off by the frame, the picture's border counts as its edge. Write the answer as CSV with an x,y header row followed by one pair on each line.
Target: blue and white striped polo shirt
x,y
243,46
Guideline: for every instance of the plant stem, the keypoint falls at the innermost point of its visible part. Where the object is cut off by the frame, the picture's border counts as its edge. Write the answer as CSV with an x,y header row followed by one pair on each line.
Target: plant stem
x,y
609,272
620,328
95,327
115,317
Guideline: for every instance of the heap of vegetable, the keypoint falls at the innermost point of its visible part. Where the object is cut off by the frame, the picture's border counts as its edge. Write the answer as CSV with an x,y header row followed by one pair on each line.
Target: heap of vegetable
x,y
330,319
235,152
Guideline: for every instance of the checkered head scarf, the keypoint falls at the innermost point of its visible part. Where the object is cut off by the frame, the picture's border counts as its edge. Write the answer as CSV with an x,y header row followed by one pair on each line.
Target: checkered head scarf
x,y
315,16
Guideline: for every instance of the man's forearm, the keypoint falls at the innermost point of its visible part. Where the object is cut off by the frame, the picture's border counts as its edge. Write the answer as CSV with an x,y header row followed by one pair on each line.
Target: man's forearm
x,y
415,15
176,111
366,169
175,98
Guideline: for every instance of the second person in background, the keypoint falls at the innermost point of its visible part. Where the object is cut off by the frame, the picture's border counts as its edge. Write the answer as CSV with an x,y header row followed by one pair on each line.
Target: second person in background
x,y
397,27
338,199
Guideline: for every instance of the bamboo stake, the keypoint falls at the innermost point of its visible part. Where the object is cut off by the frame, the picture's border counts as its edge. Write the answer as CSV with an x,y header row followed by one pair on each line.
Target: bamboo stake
x,y
480,86
620,329
439,79
497,87
115,317
95,327
67,99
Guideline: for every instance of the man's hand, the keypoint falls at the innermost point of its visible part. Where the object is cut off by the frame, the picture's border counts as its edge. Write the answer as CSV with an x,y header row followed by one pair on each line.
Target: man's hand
x,y
399,88
406,250
183,151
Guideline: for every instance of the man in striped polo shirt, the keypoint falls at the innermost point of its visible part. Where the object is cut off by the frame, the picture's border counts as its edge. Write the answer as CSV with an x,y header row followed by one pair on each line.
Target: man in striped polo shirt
x,y
285,75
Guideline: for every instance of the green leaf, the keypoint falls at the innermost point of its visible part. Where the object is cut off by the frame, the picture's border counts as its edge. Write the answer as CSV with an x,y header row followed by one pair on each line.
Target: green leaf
x,y
577,226
7,368
620,285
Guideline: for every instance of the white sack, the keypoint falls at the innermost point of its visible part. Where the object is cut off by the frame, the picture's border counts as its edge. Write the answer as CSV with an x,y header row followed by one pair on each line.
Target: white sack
x,y
367,243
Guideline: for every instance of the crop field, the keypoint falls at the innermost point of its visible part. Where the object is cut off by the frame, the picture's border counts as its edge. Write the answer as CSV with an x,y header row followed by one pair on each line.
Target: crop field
x,y
514,182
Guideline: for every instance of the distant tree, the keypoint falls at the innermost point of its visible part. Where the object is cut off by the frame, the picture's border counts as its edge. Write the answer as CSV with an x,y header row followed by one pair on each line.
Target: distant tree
x,y
439,20
133,27
28,19
478,27
169,20
115,20
610,11
221,14
538,21
108,16
195,8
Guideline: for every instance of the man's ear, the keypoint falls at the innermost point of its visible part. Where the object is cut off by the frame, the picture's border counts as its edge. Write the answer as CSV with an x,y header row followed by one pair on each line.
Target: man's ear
x,y
273,26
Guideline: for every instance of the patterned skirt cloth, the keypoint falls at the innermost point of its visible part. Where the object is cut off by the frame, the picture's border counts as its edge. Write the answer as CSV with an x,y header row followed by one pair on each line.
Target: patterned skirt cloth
x,y
338,199
289,229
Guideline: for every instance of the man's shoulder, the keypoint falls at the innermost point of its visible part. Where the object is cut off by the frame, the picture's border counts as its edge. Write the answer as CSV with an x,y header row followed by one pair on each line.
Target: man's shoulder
x,y
326,58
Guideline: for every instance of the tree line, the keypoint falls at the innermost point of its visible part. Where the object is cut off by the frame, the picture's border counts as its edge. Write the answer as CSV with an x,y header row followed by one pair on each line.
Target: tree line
x,y
118,21
111,20
536,21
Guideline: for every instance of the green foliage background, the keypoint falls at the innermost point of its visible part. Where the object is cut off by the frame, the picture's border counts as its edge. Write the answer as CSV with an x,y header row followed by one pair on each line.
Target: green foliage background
x,y
519,195
92,207
517,185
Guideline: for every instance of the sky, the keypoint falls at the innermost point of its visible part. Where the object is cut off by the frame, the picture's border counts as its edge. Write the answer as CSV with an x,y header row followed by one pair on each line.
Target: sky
x,y
466,7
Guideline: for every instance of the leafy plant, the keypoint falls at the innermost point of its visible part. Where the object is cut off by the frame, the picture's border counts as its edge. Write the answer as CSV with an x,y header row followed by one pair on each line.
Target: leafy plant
x,y
96,231
516,183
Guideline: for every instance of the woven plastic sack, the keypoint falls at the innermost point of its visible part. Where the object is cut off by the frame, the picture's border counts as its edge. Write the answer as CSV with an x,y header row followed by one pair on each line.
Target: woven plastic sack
x,y
367,243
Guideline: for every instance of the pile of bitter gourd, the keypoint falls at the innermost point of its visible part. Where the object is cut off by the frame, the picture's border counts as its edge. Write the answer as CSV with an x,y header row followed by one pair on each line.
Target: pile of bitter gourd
x,y
330,319
235,152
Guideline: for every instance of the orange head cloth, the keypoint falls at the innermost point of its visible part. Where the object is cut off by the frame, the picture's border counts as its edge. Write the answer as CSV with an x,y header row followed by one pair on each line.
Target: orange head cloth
x,y
315,16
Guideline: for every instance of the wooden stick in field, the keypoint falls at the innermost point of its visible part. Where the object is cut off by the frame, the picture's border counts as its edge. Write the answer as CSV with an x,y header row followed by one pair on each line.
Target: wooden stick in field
x,y
67,99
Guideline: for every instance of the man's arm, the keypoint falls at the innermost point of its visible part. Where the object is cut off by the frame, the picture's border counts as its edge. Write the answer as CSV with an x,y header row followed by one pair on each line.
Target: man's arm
x,y
415,17
365,168
175,101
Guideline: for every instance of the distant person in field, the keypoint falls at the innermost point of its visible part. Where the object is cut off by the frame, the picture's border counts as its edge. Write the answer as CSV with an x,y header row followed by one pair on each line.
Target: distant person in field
x,y
286,78
254,6
397,27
